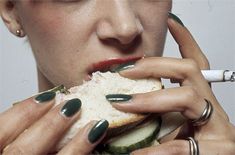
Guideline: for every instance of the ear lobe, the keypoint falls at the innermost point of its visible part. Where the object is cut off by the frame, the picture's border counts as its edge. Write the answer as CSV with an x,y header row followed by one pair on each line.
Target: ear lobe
x,y
10,17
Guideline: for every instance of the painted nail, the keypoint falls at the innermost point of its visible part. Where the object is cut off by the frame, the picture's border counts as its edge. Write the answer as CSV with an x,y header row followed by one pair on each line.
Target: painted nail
x,y
71,107
98,131
60,88
13,104
175,18
118,97
44,97
124,66
57,88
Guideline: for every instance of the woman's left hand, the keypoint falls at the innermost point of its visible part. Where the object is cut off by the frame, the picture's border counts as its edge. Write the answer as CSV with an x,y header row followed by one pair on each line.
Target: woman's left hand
x,y
217,136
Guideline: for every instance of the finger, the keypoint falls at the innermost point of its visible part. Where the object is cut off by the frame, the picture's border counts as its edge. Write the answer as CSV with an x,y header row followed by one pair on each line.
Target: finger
x,y
45,133
186,71
182,147
176,147
86,139
187,44
183,99
162,67
18,118
212,147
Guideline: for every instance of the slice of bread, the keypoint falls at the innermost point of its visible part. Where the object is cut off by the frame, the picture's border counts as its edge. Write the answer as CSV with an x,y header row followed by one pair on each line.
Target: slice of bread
x,y
96,107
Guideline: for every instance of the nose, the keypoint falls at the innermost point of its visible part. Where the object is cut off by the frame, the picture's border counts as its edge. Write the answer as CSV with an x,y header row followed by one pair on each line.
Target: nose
x,y
119,22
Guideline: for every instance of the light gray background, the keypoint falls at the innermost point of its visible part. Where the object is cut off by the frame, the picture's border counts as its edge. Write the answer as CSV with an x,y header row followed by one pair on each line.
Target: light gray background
x,y
212,23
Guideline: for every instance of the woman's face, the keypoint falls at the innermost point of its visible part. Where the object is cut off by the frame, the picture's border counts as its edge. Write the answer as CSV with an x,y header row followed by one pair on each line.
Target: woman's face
x,y
69,37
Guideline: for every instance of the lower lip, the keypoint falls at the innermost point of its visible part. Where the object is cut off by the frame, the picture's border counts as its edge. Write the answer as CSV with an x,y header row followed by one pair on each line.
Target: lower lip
x,y
110,62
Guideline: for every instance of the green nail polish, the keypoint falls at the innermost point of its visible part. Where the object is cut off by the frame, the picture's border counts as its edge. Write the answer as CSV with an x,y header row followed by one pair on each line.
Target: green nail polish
x,y
98,130
175,18
71,107
118,97
124,66
44,97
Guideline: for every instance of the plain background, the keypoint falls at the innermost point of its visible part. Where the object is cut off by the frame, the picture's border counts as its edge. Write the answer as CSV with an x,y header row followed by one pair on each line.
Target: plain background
x,y
212,23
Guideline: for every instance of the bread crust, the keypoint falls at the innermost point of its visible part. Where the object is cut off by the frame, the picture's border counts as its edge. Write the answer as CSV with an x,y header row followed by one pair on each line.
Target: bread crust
x,y
124,125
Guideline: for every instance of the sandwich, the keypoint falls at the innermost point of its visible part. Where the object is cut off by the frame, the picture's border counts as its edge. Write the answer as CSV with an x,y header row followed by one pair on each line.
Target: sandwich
x,y
127,131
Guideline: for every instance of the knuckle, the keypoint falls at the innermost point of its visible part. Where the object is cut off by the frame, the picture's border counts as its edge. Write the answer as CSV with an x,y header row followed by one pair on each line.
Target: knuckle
x,y
190,93
54,121
51,124
191,67
180,147
27,112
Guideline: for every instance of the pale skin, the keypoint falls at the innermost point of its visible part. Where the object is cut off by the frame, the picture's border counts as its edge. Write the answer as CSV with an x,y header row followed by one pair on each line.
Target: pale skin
x,y
66,37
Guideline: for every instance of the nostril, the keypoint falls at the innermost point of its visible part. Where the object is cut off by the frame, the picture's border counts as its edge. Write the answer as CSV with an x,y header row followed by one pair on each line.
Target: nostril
x,y
126,39
125,48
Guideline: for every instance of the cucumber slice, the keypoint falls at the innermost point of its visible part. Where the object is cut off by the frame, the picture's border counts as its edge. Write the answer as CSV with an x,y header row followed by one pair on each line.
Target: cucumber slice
x,y
135,139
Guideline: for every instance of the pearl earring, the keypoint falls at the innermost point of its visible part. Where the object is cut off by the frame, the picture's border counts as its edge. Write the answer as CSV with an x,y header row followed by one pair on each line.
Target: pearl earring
x,y
19,33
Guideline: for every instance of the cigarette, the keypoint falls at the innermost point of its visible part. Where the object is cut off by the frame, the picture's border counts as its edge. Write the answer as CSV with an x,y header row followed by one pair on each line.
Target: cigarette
x,y
219,75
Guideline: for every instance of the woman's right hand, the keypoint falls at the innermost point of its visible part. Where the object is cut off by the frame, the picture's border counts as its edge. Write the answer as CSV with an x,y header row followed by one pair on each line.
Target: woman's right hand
x,y
34,127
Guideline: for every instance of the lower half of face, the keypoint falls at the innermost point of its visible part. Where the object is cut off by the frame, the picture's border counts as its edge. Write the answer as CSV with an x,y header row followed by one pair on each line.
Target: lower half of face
x,y
70,38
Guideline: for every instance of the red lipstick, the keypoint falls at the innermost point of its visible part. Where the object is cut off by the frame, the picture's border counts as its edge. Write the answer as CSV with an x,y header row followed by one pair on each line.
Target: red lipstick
x,y
106,65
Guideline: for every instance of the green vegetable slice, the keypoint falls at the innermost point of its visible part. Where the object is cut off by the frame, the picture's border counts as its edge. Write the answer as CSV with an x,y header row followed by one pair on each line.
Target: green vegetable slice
x,y
135,139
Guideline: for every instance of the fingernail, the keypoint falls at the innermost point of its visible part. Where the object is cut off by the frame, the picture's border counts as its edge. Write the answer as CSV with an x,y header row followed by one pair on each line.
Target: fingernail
x,y
13,104
44,97
98,130
118,97
71,107
124,66
175,18
60,88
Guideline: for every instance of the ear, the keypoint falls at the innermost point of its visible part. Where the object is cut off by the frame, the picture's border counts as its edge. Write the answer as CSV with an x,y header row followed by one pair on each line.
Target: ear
x,y
9,15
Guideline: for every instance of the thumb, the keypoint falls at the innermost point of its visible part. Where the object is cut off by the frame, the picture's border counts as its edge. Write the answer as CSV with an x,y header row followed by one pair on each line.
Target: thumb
x,y
187,45
86,139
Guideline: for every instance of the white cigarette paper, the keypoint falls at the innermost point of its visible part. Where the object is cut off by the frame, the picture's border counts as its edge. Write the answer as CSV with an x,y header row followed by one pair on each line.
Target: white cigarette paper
x,y
218,75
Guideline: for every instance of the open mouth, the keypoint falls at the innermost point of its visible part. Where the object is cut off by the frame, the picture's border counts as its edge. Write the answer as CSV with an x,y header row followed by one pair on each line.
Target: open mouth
x,y
109,65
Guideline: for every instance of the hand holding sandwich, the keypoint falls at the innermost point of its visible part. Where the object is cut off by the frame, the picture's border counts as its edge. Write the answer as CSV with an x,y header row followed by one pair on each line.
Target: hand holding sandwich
x,y
190,99
35,128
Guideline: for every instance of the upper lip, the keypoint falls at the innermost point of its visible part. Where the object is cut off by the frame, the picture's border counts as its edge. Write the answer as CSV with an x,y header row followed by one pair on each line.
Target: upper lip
x,y
107,65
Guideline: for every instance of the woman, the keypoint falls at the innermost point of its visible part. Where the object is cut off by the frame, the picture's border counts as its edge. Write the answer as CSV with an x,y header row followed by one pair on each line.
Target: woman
x,y
69,36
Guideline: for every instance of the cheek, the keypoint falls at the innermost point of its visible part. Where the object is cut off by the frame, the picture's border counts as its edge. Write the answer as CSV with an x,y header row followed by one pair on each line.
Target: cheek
x,y
49,31
60,30
155,25
55,44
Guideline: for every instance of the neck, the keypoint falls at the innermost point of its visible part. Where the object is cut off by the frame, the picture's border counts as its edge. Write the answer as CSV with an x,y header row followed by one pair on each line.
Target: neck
x,y
43,83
